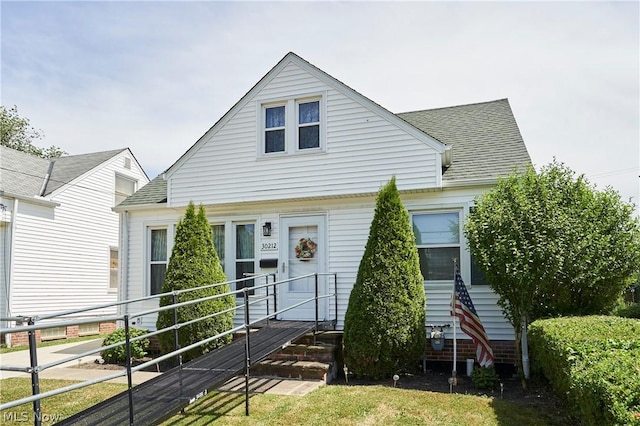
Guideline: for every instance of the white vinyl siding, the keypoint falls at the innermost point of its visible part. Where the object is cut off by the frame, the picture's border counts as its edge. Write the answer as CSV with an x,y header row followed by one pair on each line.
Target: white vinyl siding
x,y
61,254
348,222
353,131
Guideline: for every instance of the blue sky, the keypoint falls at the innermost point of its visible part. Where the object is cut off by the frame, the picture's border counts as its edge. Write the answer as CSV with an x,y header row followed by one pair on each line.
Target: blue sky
x,y
155,76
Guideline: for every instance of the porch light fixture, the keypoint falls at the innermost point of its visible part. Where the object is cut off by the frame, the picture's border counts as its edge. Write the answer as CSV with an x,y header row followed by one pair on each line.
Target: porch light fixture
x,y
266,229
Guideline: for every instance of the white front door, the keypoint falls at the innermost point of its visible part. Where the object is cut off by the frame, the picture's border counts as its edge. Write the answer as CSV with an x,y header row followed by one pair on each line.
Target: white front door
x,y
294,232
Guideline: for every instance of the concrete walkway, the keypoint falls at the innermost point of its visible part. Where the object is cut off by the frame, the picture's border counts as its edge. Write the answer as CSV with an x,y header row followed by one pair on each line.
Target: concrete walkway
x,y
72,370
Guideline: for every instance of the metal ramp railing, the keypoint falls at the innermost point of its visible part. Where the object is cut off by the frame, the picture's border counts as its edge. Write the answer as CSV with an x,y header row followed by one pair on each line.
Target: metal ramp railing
x,y
163,396
160,398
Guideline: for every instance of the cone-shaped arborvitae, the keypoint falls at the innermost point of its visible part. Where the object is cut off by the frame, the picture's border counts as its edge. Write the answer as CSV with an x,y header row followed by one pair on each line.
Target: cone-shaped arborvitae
x,y
195,263
384,324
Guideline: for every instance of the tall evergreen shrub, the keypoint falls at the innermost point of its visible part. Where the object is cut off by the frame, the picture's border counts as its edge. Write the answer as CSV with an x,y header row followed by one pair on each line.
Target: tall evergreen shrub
x,y
384,324
194,263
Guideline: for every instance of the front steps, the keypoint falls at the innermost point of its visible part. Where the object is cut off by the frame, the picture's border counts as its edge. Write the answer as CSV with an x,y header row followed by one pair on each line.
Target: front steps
x,y
305,359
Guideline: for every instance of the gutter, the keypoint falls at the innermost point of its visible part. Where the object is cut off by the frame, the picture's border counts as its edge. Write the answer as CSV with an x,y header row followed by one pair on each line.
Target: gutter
x,y
35,200
468,182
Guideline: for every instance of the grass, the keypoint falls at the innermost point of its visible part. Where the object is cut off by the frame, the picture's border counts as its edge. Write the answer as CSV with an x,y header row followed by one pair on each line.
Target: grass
x,y
362,405
4,350
54,408
342,405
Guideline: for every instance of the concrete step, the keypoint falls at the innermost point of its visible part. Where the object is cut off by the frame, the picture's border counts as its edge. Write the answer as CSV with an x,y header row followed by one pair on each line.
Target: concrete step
x,y
301,370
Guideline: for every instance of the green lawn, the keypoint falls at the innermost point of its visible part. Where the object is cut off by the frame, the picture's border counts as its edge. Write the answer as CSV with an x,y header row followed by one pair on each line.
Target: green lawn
x,y
342,405
363,405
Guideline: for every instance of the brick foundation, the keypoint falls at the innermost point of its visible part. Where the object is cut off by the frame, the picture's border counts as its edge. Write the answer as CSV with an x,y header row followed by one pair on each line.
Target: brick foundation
x,y
22,338
504,351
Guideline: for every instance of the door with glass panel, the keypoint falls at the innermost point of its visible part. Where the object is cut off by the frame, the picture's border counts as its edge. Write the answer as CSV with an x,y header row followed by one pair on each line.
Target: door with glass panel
x,y
302,252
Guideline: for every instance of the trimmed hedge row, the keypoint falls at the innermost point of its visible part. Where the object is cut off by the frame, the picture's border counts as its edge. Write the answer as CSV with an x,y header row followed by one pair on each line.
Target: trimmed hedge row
x,y
629,311
594,362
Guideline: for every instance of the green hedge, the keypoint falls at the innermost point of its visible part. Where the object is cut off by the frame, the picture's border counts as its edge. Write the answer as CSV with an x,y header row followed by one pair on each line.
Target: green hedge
x,y
629,311
594,362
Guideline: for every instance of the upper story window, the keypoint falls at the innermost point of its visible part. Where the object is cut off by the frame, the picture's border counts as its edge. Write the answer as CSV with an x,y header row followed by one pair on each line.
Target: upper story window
x,y
309,125
438,240
292,126
274,129
124,187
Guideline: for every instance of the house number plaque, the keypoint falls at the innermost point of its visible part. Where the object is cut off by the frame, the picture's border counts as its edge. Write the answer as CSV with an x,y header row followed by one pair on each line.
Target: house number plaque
x,y
269,246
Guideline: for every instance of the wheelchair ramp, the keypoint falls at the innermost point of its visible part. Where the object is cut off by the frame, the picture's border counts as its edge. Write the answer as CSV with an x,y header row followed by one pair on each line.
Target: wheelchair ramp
x,y
163,396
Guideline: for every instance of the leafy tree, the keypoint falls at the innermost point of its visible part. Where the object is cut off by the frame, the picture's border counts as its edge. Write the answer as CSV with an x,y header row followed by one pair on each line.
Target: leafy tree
x,y
550,244
384,323
17,133
194,263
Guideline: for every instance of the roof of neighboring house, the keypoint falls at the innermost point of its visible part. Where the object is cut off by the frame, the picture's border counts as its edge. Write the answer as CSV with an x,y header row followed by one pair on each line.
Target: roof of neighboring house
x,y
23,174
66,169
485,139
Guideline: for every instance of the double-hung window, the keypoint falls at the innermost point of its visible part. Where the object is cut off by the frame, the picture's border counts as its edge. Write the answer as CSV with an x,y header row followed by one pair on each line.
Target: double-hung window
x,y
292,126
308,125
438,240
274,129
157,259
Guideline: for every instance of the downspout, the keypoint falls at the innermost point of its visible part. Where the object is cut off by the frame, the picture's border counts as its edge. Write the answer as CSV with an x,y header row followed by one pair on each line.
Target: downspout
x,y
12,238
123,263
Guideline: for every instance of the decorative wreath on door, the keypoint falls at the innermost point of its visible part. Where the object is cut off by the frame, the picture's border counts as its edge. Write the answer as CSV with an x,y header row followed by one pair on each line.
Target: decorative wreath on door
x,y
305,249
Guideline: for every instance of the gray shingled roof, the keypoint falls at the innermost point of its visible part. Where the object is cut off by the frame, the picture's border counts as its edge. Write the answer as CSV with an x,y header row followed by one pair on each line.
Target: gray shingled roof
x,y
485,139
23,174
66,169
155,192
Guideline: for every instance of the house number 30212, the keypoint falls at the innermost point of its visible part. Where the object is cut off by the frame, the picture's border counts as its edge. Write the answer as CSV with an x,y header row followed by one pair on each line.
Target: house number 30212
x,y
270,245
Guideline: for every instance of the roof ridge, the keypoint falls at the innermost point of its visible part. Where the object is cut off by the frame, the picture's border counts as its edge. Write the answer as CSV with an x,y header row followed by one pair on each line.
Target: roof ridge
x,y
455,106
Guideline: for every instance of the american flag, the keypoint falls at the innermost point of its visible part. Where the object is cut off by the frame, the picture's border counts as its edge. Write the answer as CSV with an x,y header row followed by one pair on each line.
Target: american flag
x,y
470,323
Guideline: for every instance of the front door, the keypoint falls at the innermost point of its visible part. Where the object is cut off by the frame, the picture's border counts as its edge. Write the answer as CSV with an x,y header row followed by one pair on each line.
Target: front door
x,y
302,252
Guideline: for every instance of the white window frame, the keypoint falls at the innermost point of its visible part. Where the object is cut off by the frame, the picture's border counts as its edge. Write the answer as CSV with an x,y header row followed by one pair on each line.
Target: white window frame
x,y
299,125
112,269
123,195
150,262
232,266
463,253
291,142
265,129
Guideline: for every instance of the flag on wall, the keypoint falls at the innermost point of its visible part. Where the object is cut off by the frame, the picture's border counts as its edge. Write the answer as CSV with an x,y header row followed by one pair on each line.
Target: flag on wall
x,y
470,322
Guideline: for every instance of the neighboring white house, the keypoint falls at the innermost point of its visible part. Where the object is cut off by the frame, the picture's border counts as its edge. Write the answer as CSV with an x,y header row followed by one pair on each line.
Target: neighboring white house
x,y
306,154
58,233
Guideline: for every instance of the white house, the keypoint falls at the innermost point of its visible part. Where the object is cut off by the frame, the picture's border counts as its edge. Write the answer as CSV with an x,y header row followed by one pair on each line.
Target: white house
x,y
305,154
59,236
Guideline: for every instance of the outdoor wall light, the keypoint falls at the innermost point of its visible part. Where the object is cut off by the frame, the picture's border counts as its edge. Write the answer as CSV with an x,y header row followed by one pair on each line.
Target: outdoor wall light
x,y
266,229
